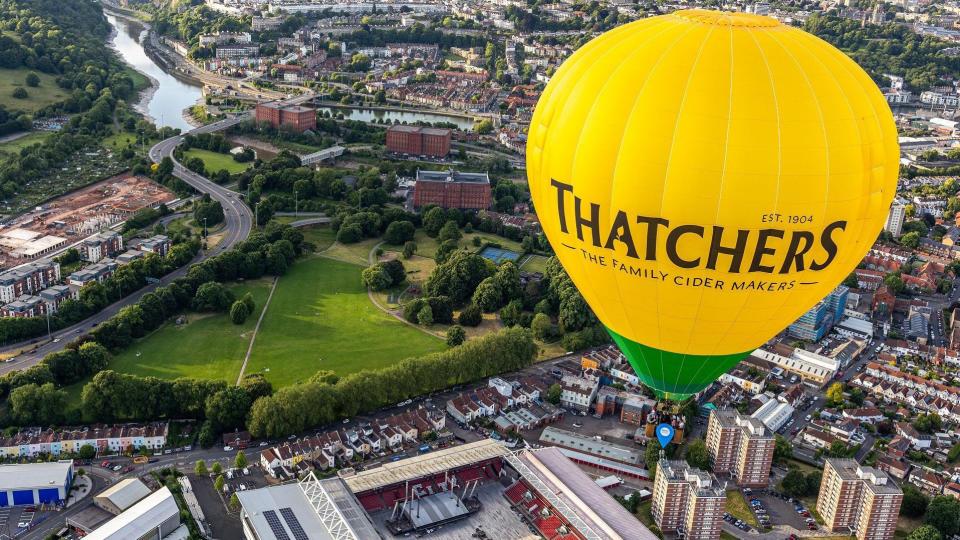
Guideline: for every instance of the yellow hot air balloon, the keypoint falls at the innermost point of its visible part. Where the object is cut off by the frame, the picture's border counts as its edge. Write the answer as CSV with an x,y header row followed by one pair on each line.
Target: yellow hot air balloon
x,y
705,178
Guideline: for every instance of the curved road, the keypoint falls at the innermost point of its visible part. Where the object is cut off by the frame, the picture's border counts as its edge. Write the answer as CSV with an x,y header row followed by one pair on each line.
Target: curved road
x,y
239,221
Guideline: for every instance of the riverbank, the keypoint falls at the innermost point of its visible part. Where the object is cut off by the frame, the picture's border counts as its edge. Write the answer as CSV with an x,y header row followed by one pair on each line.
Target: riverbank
x,y
170,94
402,109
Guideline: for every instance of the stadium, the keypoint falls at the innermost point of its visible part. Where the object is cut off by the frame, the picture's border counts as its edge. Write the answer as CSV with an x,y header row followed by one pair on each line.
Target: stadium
x,y
477,490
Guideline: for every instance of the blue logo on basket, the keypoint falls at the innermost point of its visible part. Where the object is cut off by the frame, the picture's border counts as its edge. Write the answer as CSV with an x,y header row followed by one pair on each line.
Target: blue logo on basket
x,y
664,434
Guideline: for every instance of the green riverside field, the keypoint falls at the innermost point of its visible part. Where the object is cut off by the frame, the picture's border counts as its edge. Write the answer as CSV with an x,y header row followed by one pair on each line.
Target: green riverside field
x,y
209,346
214,161
321,318
47,93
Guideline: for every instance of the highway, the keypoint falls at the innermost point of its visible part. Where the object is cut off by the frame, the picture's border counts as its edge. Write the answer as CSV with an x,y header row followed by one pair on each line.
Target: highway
x,y
238,223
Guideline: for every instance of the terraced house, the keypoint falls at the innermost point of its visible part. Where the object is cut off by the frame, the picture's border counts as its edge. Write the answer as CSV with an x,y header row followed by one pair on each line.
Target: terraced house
x,y
106,439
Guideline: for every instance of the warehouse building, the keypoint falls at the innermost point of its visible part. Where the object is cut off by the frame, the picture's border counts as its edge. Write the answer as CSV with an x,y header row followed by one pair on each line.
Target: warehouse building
x,y
155,517
35,483
418,141
294,117
122,495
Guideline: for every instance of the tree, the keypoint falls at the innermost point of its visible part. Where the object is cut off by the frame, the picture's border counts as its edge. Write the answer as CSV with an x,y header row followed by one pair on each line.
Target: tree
x,y
200,468
399,232
924,532
227,409
218,483
943,513
212,296
470,316
914,504
835,394
483,127
239,312
32,80
433,220
554,393
794,483
697,455
409,249
456,335
240,461
449,231
20,93
910,240
234,502
217,468
814,479
87,451
542,327
425,315
782,449
248,301
376,277
487,296
33,404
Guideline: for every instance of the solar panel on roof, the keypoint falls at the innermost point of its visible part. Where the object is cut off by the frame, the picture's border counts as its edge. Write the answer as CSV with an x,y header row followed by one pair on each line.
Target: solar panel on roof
x,y
294,524
275,525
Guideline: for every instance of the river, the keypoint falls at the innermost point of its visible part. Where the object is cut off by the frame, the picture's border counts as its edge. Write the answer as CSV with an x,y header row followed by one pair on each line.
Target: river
x,y
165,102
369,115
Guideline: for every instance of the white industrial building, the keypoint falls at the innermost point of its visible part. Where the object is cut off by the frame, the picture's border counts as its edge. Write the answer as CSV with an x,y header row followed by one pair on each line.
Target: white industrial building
x,y
774,414
154,517
122,495
809,365
855,328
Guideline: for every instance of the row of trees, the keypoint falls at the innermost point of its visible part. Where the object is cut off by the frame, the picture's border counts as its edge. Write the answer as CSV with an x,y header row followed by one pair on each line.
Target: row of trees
x,y
325,397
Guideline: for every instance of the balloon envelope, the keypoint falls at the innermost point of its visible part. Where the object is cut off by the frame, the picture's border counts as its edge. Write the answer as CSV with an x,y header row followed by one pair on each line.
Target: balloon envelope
x,y
705,178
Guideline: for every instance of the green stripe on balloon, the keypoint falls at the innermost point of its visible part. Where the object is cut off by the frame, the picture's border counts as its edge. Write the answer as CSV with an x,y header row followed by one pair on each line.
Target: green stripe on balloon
x,y
674,376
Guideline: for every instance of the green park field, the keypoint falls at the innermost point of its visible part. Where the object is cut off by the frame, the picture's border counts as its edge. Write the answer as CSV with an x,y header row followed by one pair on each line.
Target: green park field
x,y
321,318
214,161
47,93
208,346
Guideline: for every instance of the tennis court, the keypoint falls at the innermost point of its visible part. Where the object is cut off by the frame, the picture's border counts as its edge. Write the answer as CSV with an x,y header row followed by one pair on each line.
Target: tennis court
x,y
499,255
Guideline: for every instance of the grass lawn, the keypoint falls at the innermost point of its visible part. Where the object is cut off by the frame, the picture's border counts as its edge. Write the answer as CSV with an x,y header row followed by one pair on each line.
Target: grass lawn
x,y
427,246
140,81
14,146
737,507
37,98
906,525
352,253
119,141
321,236
209,346
320,318
215,161
534,263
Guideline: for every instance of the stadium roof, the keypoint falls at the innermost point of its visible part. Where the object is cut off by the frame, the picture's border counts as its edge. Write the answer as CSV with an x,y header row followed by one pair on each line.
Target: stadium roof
x,y
34,475
139,519
424,465
578,498
125,493
308,510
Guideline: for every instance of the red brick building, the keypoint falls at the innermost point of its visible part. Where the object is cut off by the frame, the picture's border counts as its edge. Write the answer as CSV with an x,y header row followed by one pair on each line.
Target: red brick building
x,y
419,141
295,117
452,189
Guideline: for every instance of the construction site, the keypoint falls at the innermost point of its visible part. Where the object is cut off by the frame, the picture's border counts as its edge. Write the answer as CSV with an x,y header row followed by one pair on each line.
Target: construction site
x,y
68,219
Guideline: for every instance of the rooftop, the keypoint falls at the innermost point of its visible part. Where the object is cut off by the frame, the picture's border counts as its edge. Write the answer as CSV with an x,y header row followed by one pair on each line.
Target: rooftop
x,y
285,511
452,176
582,496
590,445
424,465
125,493
139,519
36,475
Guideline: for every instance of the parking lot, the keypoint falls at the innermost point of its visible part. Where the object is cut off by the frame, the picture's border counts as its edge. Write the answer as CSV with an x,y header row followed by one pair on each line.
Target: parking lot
x,y
783,512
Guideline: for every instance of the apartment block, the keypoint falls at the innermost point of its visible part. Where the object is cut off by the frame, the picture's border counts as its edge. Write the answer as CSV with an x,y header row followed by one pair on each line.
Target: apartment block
x,y
740,446
101,245
858,500
687,501
30,278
